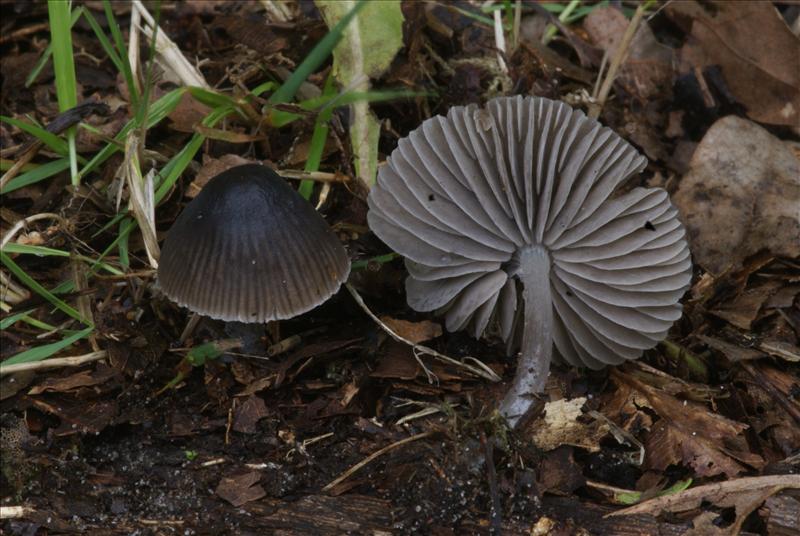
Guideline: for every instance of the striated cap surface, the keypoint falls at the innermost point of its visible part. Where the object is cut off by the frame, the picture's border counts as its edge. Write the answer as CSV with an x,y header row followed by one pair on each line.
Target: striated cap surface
x,y
249,248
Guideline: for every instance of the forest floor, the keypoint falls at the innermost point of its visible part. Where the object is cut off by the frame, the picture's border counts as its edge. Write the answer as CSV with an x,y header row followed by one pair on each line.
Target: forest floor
x,y
338,428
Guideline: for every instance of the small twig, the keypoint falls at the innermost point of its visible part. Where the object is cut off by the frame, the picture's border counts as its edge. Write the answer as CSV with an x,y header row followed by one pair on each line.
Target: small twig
x,y
603,65
688,498
21,161
500,41
318,176
372,457
606,487
617,61
496,523
73,361
30,219
13,512
169,53
481,371
190,327
133,48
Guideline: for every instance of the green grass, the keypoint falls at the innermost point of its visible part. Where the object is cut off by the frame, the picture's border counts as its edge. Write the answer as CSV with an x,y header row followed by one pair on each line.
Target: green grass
x,y
144,115
64,69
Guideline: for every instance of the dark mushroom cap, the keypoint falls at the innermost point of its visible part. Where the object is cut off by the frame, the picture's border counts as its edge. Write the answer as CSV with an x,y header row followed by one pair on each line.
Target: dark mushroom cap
x,y
249,248
478,199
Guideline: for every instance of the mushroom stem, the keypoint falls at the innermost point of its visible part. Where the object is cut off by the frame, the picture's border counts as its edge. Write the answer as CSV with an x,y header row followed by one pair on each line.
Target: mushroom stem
x,y
537,336
249,335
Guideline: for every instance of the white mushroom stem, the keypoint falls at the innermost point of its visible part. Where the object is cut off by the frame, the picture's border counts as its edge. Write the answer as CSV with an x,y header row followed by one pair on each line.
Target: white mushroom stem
x,y
537,336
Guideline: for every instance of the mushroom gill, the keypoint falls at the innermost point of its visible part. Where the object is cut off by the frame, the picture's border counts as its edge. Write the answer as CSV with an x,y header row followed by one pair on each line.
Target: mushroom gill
x,y
515,203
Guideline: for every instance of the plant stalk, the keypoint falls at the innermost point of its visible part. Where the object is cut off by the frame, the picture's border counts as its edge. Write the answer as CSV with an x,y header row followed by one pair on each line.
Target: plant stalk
x,y
537,336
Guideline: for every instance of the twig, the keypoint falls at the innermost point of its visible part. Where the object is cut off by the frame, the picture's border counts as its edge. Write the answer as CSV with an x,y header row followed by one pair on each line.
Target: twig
x,y
616,62
500,41
30,219
372,457
13,512
496,523
21,161
481,370
133,48
319,176
687,499
169,53
73,361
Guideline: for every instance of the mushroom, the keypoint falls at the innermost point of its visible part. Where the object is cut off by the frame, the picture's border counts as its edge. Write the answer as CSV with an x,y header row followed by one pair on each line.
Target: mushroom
x,y
515,203
250,249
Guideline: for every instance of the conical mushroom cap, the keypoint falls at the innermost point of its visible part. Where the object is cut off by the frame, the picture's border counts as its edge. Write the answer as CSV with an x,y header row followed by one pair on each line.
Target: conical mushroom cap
x,y
462,195
249,248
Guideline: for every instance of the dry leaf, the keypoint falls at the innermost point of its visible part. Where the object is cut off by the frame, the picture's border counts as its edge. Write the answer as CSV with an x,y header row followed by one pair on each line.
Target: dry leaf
x,y
248,414
756,51
211,168
690,434
648,67
560,426
416,332
741,195
84,378
241,489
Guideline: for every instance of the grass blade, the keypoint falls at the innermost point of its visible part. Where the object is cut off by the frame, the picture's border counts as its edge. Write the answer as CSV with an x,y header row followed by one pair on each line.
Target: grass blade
x,y
41,134
39,289
46,350
315,58
64,69
48,52
40,173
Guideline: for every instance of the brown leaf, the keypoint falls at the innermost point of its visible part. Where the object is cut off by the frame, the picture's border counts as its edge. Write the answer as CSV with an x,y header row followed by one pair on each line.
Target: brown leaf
x,y
241,489
756,51
247,415
84,378
559,473
744,308
733,352
212,167
648,67
396,361
188,113
739,493
691,434
669,445
561,426
740,196
84,417
416,332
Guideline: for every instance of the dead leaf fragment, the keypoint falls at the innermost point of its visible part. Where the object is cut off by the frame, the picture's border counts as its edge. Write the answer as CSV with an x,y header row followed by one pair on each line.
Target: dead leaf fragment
x,y
648,67
241,489
211,168
741,195
722,494
416,332
760,67
247,415
561,426
688,433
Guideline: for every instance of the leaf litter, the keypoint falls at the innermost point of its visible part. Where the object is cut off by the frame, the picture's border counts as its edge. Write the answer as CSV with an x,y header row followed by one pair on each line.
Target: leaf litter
x,y
701,436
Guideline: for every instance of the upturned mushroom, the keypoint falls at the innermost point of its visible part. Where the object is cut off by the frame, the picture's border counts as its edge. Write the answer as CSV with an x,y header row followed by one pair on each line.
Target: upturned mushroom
x,y
250,249
515,203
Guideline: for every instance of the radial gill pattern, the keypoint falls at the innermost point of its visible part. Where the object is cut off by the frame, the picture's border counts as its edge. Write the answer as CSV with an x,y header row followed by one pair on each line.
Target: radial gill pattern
x,y
249,248
463,195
